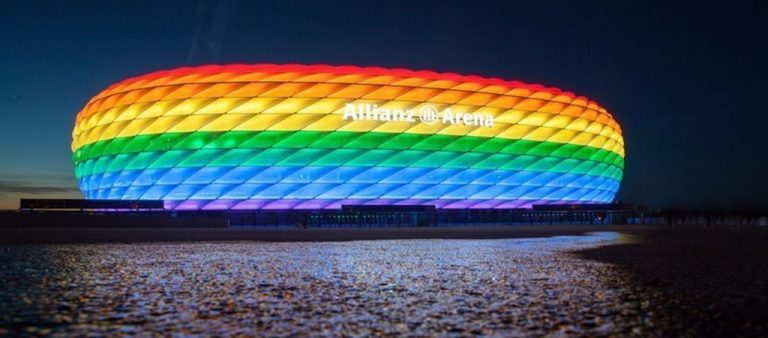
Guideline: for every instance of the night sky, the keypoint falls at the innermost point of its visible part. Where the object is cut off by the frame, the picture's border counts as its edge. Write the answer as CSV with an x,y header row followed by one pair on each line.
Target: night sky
x,y
686,81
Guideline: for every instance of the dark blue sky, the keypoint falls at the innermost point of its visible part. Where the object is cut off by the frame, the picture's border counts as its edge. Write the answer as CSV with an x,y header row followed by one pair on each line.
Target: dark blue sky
x,y
684,79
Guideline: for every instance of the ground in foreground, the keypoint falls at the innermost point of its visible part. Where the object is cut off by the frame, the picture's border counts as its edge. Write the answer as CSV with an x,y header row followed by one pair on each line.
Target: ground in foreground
x,y
643,283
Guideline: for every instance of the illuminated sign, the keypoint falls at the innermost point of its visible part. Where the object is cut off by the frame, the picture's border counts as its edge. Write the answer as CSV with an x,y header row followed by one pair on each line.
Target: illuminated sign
x,y
426,114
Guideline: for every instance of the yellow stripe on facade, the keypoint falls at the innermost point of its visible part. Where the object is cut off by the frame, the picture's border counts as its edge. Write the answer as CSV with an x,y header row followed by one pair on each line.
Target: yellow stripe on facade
x,y
256,118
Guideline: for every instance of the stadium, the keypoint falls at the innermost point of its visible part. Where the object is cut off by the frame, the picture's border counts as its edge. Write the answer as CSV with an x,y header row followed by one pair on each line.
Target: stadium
x,y
278,137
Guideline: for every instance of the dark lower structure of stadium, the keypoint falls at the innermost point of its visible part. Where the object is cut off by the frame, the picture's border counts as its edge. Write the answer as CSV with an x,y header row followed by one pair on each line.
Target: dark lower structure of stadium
x,y
143,213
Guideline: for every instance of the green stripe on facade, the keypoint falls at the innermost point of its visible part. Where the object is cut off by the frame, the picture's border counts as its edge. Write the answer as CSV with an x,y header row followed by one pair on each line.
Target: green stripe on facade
x,y
340,157
342,140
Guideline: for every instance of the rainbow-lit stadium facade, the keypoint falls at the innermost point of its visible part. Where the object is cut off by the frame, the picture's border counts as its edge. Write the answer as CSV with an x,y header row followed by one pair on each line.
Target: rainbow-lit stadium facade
x,y
319,137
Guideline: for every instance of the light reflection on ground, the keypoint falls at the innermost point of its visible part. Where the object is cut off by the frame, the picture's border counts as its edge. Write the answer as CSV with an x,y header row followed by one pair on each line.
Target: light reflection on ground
x,y
392,287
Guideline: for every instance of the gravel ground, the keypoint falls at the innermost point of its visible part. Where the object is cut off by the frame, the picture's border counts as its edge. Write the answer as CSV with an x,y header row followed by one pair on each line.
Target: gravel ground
x,y
500,287
698,282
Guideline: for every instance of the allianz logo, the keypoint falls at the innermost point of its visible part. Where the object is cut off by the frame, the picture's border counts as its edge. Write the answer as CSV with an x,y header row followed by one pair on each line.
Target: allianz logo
x,y
426,114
